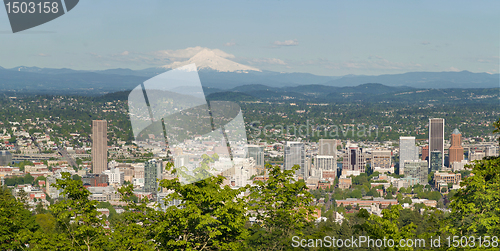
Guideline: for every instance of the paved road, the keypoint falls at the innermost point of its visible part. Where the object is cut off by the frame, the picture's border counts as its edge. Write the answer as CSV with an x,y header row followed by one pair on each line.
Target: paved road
x,y
66,156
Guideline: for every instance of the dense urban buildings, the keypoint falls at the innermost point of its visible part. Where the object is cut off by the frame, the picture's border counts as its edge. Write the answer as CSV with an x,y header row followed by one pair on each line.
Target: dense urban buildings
x,y
129,159
407,151
99,146
436,138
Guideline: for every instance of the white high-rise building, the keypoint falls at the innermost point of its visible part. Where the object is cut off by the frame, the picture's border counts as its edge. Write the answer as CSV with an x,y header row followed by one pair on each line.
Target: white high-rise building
x,y
407,151
295,154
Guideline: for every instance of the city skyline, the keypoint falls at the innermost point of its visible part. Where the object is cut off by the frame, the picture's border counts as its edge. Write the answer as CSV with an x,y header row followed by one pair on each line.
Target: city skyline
x,y
249,125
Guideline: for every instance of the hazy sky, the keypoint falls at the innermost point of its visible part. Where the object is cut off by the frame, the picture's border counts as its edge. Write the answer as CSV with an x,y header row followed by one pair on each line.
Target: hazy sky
x,y
320,37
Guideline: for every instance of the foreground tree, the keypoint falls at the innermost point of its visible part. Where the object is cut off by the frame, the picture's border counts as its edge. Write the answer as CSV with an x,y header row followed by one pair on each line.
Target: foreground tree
x,y
77,216
476,207
281,207
209,217
388,227
14,220
496,125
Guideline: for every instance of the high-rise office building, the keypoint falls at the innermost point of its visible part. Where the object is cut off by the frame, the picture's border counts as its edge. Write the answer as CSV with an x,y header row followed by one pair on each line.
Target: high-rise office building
x,y
152,172
257,153
353,159
436,161
99,146
407,151
456,151
417,169
436,138
295,154
327,147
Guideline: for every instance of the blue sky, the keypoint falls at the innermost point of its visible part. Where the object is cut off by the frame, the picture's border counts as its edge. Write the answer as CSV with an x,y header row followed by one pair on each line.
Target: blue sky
x,y
320,37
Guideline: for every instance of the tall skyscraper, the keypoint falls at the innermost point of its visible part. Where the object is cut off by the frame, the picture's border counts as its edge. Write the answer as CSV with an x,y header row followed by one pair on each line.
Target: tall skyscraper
x,y
456,150
152,172
407,151
295,154
99,146
353,159
327,147
436,138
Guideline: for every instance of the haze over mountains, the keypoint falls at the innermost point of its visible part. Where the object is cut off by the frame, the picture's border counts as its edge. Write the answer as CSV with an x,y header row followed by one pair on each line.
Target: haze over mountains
x,y
218,72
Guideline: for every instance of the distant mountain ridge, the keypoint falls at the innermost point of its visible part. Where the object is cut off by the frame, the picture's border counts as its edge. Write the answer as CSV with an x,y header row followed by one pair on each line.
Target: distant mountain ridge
x,y
49,80
216,70
366,93
462,79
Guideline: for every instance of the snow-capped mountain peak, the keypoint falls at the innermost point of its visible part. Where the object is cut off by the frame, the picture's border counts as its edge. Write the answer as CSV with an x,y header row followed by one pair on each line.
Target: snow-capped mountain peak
x,y
208,59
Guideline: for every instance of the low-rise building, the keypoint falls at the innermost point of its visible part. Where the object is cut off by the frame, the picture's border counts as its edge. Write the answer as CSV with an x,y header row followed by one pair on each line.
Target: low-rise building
x,y
115,176
447,177
381,202
345,182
